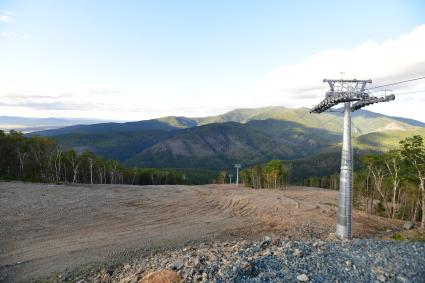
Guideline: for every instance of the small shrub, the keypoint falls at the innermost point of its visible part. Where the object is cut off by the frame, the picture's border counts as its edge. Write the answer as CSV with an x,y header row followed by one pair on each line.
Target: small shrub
x,y
380,209
418,237
397,237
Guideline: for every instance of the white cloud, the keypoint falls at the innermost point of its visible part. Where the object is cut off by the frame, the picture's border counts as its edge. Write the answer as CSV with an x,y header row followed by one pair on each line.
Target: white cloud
x,y
7,12
6,16
13,34
392,60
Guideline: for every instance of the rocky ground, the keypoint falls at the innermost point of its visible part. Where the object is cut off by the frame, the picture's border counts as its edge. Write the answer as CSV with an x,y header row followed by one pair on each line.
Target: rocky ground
x,y
278,260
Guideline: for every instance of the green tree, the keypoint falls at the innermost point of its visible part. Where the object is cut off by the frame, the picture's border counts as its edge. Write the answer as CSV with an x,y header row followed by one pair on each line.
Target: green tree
x,y
392,161
378,170
274,173
72,163
413,151
221,178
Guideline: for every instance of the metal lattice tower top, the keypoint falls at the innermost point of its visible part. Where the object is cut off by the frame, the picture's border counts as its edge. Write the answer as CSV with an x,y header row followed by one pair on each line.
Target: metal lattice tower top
x,y
349,91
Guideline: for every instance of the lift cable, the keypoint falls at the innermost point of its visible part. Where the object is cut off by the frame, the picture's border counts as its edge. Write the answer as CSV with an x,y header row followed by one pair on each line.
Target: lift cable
x,y
396,83
409,92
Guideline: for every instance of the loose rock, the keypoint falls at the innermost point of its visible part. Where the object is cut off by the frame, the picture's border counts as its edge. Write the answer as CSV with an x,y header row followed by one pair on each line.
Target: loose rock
x,y
359,260
302,278
163,276
297,252
408,225
381,278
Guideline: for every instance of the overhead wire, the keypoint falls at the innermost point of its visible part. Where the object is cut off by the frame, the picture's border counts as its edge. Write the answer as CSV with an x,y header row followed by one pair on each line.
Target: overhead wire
x,y
409,92
396,83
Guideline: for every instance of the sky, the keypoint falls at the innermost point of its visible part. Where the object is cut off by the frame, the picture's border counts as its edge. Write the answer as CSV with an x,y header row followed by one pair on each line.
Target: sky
x,y
134,60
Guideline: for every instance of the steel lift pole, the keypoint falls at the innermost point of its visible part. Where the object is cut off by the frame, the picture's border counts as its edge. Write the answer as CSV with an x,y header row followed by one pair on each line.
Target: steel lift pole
x,y
345,195
354,95
237,166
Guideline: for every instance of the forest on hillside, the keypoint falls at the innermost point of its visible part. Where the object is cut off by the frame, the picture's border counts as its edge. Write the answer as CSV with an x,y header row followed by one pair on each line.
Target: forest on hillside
x,y
390,184
272,175
40,159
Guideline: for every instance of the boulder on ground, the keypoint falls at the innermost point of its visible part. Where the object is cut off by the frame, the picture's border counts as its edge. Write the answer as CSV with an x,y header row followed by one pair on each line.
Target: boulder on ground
x,y
408,225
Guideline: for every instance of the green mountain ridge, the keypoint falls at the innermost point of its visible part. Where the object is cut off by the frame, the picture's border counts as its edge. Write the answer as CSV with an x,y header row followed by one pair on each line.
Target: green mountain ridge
x,y
249,136
221,145
363,121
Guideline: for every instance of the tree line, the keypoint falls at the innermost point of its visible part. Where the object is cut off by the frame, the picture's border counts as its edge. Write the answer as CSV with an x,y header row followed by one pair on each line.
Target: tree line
x,y
391,184
43,160
328,182
273,174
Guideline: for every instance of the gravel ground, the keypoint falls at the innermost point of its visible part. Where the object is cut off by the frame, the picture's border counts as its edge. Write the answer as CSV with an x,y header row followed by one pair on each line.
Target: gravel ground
x,y
276,260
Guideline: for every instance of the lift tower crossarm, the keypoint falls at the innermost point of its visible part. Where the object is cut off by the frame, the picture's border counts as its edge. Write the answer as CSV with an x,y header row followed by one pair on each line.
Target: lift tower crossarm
x,y
346,81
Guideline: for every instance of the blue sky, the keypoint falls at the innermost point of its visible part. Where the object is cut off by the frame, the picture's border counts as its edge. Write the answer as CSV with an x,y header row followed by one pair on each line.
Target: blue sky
x,y
142,59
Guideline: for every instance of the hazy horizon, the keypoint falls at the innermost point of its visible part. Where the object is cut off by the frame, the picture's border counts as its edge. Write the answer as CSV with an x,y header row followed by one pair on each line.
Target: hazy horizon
x,y
99,120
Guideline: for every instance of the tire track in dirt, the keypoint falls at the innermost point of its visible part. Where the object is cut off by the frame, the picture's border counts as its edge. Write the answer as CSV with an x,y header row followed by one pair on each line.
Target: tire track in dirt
x,y
49,228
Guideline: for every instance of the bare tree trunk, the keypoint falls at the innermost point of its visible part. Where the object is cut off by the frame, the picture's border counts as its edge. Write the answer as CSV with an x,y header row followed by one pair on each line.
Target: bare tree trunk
x,y
58,164
112,176
404,209
378,179
134,177
21,158
99,172
395,185
91,170
74,179
415,212
399,194
393,166
104,174
422,187
367,194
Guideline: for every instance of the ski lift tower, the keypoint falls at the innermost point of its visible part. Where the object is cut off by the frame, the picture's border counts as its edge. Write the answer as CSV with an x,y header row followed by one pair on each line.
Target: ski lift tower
x,y
354,95
237,166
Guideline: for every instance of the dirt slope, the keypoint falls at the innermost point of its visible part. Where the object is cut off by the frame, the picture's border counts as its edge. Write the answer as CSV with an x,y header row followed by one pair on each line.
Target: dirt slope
x,y
49,228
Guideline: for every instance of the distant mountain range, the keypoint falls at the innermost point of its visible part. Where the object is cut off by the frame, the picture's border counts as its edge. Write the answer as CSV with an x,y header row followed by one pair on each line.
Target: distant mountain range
x,y
25,125
363,121
249,136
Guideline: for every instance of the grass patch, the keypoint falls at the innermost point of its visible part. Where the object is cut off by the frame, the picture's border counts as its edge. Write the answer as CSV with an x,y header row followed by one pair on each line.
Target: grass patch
x,y
418,237
411,236
329,203
397,237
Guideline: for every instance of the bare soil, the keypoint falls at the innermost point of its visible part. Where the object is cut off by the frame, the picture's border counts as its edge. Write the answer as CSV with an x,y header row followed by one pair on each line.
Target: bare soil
x,y
48,228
